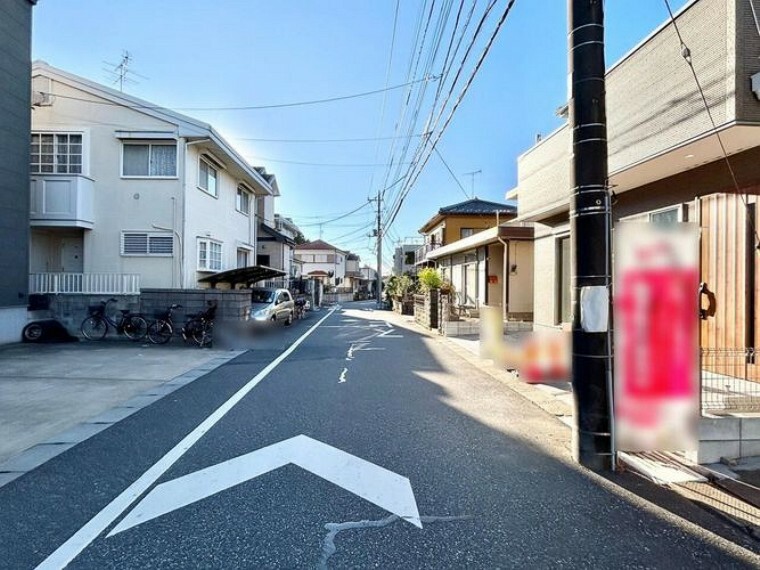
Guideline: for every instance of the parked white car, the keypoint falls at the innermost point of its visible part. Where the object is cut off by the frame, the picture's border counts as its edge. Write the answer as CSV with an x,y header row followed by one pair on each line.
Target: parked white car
x,y
272,306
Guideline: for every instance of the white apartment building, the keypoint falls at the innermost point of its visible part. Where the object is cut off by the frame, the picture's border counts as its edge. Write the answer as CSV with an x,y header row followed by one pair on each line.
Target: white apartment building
x,y
276,240
127,194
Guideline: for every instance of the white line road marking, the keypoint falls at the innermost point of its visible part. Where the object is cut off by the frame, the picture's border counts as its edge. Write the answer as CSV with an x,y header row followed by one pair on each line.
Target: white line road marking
x,y
384,488
70,549
343,378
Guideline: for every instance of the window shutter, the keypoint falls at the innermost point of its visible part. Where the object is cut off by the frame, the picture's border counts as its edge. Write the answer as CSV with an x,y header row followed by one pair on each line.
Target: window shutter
x,y
135,243
161,245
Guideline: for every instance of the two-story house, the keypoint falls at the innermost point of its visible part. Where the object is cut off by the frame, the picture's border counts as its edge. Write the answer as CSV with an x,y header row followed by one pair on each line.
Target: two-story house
x,y
666,164
323,262
487,259
128,194
15,54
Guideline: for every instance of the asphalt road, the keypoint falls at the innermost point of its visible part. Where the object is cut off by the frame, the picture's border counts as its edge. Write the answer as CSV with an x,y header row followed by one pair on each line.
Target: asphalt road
x,y
388,414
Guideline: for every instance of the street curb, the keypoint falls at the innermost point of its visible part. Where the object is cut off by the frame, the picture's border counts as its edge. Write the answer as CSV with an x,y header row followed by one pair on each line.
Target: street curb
x,y
42,452
536,396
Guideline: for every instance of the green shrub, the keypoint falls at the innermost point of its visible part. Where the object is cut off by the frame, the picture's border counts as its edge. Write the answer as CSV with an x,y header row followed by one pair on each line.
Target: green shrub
x,y
430,278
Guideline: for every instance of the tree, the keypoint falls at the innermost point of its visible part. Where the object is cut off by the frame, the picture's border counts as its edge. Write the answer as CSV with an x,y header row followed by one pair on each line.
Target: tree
x,y
299,238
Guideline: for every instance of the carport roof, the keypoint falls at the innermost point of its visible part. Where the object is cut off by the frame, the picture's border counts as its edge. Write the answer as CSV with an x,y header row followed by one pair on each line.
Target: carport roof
x,y
244,275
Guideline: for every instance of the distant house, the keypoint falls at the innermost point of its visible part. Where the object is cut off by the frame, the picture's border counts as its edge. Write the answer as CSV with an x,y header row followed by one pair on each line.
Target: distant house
x,y
404,259
487,259
276,241
323,262
126,194
461,220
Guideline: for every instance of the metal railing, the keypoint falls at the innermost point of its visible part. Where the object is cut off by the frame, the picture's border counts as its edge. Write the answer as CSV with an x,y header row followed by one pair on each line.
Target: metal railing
x,y
421,252
85,283
730,379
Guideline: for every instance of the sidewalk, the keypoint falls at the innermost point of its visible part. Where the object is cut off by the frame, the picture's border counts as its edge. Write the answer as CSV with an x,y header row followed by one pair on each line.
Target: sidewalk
x,y
53,396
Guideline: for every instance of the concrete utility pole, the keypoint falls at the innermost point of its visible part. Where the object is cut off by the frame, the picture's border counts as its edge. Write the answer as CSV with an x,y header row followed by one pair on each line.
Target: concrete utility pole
x,y
590,224
379,231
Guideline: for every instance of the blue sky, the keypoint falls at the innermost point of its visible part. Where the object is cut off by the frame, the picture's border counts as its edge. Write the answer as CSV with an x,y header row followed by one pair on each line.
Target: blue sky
x,y
253,52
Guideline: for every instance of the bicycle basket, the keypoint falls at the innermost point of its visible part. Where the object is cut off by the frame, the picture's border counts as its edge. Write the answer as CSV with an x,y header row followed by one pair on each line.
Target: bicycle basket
x,y
96,309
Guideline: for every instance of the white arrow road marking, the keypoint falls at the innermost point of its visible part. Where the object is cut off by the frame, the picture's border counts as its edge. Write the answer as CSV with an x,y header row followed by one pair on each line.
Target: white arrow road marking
x,y
379,486
387,334
342,378
70,549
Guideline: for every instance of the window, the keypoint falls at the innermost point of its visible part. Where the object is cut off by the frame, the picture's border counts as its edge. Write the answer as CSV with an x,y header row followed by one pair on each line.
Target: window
x,y
564,309
147,243
466,232
149,160
243,201
207,177
58,153
320,258
242,257
665,217
408,258
209,255
263,260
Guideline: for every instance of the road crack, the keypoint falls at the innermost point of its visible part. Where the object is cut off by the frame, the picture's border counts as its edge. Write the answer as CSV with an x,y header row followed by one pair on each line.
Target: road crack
x,y
328,543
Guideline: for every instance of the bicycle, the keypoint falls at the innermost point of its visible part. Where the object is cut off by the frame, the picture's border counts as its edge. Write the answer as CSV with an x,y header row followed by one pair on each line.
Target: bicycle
x,y
95,326
200,327
161,330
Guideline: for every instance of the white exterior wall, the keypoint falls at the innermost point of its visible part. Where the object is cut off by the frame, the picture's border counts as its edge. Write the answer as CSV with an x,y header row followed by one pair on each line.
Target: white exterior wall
x,y
119,204
338,268
208,217
138,204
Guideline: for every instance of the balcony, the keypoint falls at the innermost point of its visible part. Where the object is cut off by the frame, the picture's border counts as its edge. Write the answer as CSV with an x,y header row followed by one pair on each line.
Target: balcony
x,y
420,255
85,283
62,201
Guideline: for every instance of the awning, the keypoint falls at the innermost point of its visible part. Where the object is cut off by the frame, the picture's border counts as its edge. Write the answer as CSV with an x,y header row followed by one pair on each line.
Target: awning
x,y
243,275
509,231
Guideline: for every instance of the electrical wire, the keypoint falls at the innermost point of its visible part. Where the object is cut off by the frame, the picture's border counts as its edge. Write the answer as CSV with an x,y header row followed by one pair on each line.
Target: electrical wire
x,y
411,181
329,164
451,172
249,107
686,54
346,140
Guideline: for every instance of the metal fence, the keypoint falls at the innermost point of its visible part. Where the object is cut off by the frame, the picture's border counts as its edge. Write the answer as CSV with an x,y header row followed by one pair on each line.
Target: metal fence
x,y
85,283
730,379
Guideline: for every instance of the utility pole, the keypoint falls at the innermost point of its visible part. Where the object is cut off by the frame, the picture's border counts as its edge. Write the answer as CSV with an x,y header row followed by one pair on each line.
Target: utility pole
x,y
379,232
590,225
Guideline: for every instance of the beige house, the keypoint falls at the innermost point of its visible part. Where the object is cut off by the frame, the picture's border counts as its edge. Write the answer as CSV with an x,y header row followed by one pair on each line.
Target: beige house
x,y
666,163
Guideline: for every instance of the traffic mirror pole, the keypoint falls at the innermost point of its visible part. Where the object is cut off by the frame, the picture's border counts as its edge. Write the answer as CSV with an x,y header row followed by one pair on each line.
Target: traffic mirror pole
x,y
590,231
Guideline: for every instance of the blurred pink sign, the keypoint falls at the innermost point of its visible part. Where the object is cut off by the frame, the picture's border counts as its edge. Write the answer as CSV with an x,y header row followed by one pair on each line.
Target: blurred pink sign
x,y
656,336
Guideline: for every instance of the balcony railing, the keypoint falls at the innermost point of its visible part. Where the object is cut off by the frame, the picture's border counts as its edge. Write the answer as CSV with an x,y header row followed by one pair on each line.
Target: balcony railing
x,y
62,200
85,283
423,250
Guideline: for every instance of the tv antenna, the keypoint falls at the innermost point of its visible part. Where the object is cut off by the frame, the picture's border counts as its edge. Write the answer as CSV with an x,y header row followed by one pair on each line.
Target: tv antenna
x,y
121,73
472,179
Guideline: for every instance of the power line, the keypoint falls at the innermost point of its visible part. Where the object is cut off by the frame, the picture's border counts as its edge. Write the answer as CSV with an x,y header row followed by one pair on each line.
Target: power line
x,y
347,140
686,54
364,205
251,107
330,164
451,172
466,87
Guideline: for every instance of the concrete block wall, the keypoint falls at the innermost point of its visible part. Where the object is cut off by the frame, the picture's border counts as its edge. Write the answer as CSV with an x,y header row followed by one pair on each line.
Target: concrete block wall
x,y
729,437
232,305
71,309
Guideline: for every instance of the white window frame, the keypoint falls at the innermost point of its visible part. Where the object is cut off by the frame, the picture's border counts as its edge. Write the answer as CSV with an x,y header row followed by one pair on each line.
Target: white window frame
x,y
150,235
247,252
54,164
243,189
208,267
150,144
209,164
